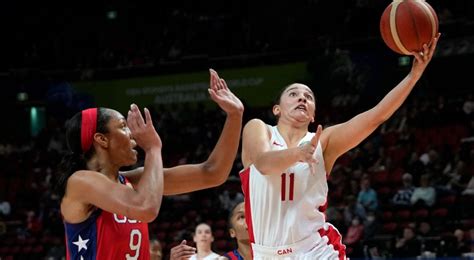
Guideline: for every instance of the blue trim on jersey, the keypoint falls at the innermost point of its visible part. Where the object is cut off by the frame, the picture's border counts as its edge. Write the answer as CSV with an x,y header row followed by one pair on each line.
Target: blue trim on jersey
x,y
236,254
122,179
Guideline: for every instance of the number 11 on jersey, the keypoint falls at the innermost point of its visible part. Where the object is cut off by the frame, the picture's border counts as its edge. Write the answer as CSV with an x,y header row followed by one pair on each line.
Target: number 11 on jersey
x,y
290,188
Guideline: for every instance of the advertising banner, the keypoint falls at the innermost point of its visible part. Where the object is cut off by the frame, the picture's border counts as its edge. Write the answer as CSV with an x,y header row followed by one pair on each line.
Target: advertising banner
x,y
256,86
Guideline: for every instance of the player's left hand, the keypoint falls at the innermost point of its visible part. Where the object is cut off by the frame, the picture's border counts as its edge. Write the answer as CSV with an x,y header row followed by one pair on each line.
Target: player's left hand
x,y
308,150
143,131
222,95
182,251
423,57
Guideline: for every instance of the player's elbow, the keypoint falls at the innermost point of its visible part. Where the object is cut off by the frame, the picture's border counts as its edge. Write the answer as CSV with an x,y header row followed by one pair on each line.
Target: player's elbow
x,y
220,180
148,209
214,176
151,214
379,116
381,119
148,214
263,167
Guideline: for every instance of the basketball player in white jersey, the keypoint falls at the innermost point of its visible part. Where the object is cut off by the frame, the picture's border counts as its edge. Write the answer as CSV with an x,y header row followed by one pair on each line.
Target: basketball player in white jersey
x,y
286,167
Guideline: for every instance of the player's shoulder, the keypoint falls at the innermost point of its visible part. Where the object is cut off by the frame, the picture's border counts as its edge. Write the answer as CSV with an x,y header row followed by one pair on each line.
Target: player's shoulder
x,y
256,122
256,128
84,177
85,180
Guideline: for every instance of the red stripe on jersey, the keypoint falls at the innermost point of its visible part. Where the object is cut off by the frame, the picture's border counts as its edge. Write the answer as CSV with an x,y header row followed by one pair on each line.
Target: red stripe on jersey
x,y
67,247
335,239
245,179
323,208
292,185
283,186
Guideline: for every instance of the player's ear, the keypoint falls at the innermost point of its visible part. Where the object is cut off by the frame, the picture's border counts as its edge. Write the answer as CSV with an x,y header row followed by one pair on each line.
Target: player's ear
x,y
232,233
101,139
276,110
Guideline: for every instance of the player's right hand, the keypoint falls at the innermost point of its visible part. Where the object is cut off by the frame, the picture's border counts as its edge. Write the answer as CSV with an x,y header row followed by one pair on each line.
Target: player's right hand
x,y
143,132
182,251
423,57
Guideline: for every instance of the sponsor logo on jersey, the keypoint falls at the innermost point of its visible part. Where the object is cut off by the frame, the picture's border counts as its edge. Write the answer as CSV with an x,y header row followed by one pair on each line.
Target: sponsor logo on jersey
x,y
277,144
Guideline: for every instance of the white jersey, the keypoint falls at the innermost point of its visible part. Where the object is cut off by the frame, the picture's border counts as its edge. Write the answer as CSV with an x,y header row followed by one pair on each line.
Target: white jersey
x,y
287,208
211,256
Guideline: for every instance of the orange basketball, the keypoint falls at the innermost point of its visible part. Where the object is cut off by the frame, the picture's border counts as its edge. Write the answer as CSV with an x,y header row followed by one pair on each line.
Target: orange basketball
x,y
406,25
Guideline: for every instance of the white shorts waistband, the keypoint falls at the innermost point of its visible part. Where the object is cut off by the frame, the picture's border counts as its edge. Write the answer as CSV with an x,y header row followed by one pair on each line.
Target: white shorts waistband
x,y
304,245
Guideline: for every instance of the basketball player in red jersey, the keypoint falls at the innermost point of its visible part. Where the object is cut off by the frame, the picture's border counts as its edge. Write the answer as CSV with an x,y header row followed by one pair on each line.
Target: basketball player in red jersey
x,y
106,211
285,169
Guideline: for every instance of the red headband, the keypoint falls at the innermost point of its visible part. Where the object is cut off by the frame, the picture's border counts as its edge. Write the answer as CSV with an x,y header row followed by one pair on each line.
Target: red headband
x,y
88,128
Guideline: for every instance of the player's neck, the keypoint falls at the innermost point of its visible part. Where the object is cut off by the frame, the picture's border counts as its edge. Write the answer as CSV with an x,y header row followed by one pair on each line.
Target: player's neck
x,y
101,163
244,250
94,164
203,252
291,134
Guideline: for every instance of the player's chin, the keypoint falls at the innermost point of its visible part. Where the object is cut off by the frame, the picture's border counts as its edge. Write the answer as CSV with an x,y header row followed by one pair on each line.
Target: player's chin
x,y
132,159
303,119
302,116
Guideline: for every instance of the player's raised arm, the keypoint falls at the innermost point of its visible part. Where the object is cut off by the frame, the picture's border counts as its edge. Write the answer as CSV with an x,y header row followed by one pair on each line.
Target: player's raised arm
x,y
215,170
340,138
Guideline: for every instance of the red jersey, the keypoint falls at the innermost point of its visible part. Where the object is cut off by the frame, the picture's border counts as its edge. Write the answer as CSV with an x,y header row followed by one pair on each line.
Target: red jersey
x,y
106,235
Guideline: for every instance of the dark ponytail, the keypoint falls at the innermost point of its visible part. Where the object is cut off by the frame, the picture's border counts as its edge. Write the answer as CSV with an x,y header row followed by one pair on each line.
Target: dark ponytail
x,y
75,159
70,163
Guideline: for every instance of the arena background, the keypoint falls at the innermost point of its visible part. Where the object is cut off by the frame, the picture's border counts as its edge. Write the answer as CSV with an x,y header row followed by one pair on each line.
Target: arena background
x,y
58,59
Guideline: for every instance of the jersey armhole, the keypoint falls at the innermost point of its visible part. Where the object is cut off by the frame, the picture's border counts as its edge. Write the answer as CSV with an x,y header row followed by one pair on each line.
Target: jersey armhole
x,y
270,133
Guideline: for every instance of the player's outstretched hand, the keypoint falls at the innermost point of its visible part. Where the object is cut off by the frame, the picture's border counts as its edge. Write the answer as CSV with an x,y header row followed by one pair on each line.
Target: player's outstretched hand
x,y
222,95
422,58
